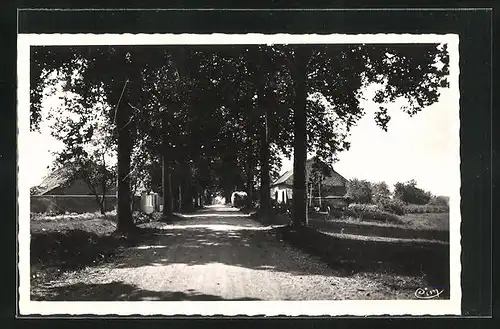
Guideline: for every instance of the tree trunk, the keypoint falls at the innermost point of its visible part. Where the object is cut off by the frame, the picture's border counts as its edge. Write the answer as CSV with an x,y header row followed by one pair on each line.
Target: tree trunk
x,y
310,194
319,194
300,140
103,203
124,209
167,190
196,203
187,199
249,172
166,175
180,196
265,184
227,195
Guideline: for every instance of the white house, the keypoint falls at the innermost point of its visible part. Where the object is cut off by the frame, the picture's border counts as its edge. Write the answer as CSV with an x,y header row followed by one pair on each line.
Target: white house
x,y
332,188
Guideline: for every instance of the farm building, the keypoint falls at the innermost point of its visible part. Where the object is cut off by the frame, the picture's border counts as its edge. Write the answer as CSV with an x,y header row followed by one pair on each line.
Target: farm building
x,y
61,192
332,188
63,182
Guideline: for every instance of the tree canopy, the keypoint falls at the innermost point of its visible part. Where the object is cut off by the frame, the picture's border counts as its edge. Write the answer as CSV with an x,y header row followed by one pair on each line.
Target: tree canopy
x,y
217,116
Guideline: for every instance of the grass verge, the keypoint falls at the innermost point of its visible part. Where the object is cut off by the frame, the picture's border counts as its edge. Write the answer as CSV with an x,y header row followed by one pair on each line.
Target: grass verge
x,y
64,243
427,260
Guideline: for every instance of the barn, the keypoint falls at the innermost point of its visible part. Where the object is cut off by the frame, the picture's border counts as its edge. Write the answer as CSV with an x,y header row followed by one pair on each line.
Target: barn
x,y
62,192
331,190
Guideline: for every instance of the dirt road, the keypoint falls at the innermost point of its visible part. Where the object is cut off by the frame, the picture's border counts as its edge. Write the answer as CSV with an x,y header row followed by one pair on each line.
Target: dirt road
x,y
220,253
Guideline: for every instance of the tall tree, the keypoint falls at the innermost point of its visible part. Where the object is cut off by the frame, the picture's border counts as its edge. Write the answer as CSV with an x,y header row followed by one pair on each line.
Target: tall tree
x,y
94,72
329,79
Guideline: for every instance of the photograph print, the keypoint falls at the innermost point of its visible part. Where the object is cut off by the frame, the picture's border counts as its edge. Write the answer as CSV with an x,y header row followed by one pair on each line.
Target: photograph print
x,y
239,174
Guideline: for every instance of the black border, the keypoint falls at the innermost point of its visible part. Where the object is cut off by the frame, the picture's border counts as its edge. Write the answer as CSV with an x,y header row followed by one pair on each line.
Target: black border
x,y
473,26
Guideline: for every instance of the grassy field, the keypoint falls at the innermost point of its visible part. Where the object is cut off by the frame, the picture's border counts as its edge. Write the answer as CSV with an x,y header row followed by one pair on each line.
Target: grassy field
x,y
426,259
428,221
432,226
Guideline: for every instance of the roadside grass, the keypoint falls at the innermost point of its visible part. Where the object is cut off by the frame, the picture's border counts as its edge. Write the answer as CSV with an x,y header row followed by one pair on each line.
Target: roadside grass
x,y
428,226
428,221
424,259
73,241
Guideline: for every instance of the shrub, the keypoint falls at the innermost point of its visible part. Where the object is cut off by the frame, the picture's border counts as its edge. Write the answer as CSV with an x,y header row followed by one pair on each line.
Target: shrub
x,y
380,216
362,207
360,191
439,201
380,192
281,207
421,209
409,193
365,212
393,206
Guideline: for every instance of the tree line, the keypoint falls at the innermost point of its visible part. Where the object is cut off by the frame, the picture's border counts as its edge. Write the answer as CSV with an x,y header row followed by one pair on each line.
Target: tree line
x,y
201,119
365,192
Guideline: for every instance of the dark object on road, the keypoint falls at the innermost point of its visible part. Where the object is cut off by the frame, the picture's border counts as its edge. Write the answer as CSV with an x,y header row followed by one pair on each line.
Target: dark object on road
x,y
239,199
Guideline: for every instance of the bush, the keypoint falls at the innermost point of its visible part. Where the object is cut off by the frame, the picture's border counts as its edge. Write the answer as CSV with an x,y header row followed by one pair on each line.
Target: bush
x,y
362,207
439,201
422,209
380,192
380,216
281,207
393,206
360,191
365,212
409,193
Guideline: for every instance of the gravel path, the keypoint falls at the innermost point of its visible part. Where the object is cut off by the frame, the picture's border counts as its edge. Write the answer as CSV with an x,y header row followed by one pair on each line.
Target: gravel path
x,y
221,254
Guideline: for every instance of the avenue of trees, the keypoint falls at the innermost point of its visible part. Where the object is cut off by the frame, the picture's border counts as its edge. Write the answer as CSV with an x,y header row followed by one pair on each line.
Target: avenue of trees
x,y
201,119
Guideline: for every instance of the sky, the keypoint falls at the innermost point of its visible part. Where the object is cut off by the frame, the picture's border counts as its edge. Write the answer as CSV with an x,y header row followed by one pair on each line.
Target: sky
x,y
423,147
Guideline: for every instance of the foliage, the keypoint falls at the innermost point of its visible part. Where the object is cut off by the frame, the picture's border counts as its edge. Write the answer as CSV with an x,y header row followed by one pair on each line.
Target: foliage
x,y
394,206
359,191
205,107
362,207
366,212
380,192
379,216
409,193
439,201
428,208
88,145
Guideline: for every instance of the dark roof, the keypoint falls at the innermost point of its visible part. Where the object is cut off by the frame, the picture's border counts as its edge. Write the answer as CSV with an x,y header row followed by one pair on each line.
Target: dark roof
x,y
332,179
55,179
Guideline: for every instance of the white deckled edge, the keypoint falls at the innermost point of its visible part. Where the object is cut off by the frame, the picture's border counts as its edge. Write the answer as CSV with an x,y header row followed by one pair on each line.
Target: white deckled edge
x,y
269,308
221,39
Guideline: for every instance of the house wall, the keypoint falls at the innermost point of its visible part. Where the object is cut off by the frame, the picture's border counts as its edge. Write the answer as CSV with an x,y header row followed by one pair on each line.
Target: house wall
x,y
60,204
333,190
326,191
284,193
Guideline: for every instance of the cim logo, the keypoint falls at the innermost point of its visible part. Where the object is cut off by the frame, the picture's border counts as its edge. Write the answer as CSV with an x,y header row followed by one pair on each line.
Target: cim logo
x,y
426,293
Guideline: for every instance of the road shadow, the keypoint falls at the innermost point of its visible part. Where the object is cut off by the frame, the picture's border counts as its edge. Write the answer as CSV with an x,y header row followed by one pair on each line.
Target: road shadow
x,y
430,261
119,291
207,237
260,248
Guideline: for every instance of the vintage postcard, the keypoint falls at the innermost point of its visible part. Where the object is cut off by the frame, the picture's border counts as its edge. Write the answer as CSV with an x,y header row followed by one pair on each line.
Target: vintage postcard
x,y
239,174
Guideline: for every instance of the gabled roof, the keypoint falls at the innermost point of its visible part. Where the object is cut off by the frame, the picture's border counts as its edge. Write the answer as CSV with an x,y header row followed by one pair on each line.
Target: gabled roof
x,y
333,179
55,179
285,178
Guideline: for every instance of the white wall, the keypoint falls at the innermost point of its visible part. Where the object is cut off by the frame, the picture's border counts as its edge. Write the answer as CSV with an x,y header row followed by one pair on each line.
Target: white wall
x,y
284,193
